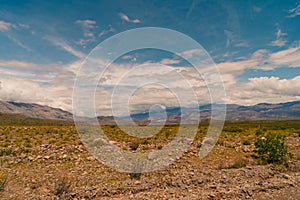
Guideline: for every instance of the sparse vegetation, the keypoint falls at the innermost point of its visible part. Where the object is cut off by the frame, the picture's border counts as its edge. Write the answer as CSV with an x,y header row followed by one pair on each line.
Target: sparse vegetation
x,y
238,164
135,176
233,129
62,186
6,152
3,182
272,148
246,142
259,132
35,157
134,146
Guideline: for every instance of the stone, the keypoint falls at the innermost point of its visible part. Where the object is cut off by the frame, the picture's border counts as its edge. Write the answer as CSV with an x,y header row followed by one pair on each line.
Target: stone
x,y
151,156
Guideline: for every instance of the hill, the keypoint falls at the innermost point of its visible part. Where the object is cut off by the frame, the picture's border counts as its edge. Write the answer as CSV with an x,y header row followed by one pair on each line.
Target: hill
x,y
33,110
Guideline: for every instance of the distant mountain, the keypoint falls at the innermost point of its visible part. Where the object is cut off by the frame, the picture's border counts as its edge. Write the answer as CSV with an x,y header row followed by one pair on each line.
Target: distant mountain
x,y
281,111
17,119
33,110
288,110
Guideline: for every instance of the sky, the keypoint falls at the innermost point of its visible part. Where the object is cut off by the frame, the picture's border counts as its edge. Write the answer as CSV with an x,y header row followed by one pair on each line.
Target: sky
x,y
255,46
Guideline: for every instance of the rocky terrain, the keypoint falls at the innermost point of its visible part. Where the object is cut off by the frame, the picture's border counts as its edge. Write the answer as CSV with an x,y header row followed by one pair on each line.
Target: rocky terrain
x,y
49,162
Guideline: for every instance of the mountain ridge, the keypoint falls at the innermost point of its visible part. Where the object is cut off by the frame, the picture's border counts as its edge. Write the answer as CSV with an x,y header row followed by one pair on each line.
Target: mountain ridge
x,y
33,110
261,111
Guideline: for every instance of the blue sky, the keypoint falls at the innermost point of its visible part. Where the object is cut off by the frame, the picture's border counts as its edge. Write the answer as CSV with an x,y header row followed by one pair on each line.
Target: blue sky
x,y
255,44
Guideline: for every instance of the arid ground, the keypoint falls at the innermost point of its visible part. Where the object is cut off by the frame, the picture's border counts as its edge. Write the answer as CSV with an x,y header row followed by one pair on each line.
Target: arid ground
x,y
50,162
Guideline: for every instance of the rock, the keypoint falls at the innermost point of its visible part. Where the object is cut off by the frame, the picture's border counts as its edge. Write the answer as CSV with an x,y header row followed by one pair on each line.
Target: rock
x,y
213,187
151,156
286,176
52,157
46,157
91,158
113,142
209,141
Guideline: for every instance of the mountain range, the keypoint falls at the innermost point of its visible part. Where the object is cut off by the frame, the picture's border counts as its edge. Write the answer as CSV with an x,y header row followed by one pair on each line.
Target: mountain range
x,y
262,111
33,110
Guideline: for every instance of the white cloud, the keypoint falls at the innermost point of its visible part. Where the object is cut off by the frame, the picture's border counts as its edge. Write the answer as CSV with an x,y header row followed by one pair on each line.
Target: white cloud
x,y
264,89
5,26
289,57
191,53
25,90
242,44
62,44
257,9
280,41
23,81
167,61
294,11
263,60
127,19
18,64
230,37
127,57
34,83
88,27
104,32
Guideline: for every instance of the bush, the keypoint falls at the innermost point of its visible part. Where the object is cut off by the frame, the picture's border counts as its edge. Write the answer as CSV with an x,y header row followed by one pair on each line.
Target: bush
x,y
272,148
233,129
134,146
3,182
246,142
136,176
6,152
259,132
62,186
238,164
145,142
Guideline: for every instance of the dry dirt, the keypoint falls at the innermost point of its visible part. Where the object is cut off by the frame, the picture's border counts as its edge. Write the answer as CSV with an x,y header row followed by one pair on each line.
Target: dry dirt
x,y
67,171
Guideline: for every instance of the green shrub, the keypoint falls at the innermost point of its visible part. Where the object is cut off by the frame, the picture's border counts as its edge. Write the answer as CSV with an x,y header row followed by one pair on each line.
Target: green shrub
x,y
220,142
272,148
233,129
6,152
136,176
28,145
134,146
246,142
259,132
238,164
3,182
145,142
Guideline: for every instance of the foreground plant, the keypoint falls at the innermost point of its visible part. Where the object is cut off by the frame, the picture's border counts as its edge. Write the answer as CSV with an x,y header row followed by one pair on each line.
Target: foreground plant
x,y
272,149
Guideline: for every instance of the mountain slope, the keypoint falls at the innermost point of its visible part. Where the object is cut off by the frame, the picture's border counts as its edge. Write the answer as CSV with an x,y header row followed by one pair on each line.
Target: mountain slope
x,y
282,111
17,119
288,110
34,110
